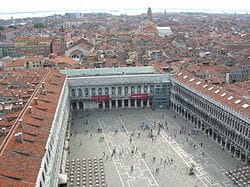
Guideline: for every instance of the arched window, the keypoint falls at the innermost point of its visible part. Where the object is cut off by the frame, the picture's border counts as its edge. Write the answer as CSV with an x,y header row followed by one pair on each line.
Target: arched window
x,y
113,90
86,91
119,90
100,91
126,90
138,89
80,92
93,91
106,90
132,89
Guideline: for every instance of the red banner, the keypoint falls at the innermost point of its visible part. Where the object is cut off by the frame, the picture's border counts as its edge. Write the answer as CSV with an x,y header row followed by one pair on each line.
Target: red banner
x,y
100,98
139,96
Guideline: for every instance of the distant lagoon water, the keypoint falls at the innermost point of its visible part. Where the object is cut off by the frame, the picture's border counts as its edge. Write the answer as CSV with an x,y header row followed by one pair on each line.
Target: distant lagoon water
x,y
136,11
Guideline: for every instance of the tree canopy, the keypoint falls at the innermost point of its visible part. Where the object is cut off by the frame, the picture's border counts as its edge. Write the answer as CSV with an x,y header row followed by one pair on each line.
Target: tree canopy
x,y
39,25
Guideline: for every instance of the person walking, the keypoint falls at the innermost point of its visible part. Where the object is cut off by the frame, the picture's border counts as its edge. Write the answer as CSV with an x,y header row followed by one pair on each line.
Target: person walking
x,y
154,159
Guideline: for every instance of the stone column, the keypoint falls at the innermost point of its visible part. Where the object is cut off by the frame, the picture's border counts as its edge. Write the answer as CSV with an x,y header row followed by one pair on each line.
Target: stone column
x,y
110,104
83,105
235,152
123,103
148,103
129,89
129,103
225,146
103,105
135,103
116,103
77,105
142,103
246,155
240,156
123,90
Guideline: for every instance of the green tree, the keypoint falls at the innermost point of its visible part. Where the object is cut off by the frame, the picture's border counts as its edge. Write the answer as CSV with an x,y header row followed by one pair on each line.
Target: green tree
x,y
12,27
39,25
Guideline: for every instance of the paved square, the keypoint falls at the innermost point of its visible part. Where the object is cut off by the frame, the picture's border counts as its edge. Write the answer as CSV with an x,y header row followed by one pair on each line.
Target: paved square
x,y
133,158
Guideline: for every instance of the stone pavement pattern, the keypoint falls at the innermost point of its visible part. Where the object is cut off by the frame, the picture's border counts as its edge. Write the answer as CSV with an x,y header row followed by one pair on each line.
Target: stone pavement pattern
x,y
86,142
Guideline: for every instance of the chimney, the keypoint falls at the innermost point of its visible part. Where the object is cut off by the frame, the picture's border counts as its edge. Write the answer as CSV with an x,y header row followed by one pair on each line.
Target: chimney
x,y
20,122
43,85
30,109
12,92
33,86
36,100
44,92
28,84
19,137
21,104
3,131
40,89
1,94
19,93
3,107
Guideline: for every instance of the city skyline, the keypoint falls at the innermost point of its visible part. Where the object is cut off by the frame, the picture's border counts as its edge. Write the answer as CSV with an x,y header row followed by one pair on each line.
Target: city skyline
x,y
12,6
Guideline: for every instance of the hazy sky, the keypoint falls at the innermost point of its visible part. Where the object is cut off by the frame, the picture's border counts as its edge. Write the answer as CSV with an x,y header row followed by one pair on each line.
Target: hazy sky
x,y
33,5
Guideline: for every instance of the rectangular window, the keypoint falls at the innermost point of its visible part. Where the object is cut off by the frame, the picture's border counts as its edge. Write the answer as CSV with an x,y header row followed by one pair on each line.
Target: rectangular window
x,y
93,91
113,90
126,90
151,88
100,91
145,89
119,90
106,90
138,89
86,91
132,89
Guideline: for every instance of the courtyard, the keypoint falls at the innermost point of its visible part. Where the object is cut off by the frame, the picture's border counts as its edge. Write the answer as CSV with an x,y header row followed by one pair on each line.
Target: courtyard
x,y
143,147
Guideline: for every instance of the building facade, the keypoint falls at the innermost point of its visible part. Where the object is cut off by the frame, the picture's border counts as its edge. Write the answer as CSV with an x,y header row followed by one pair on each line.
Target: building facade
x,y
26,46
120,91
225,126
34,62
59,46
7,49
50,166
239,75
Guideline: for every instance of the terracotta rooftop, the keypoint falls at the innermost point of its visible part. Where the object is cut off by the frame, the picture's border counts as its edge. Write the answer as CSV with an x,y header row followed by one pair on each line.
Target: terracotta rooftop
x,y
63,59
21,79
16,63
20,162
219,93
25,38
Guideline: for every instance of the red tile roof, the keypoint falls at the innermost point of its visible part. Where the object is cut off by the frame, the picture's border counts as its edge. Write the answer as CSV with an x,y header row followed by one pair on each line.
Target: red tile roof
x,y
232,100
16,63
20,162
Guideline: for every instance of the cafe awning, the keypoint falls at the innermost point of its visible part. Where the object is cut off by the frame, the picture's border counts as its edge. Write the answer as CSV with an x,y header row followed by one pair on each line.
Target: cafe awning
x,y
100,98
139,96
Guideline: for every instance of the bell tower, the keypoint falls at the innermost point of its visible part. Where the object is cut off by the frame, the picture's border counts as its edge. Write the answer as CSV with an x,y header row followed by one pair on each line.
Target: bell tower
x,y
149,14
